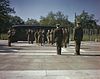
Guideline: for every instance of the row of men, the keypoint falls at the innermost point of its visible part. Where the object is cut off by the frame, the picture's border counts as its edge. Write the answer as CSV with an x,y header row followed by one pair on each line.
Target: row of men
x,y
40,36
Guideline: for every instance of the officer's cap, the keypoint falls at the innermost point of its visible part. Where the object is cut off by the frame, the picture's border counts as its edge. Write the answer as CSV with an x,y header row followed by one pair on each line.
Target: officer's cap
x,y
78,22
57,25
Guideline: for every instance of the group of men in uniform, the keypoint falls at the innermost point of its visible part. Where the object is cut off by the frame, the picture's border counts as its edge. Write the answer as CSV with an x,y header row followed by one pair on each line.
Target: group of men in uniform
x,y
41,36
60,36
30,37
78,36
50,35
37,35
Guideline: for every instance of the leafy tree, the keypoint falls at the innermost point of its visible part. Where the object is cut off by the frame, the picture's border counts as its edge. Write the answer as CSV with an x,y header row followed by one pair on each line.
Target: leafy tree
x,y
11,20
5,10
5,7
87,21
54,18
15,20
32,22
48,20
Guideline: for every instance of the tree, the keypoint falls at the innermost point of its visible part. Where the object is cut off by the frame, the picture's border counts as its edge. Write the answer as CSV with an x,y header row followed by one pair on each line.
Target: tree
x,y
5,7
10,21
32,22
48,20
87,21
5,10
55,18
15,20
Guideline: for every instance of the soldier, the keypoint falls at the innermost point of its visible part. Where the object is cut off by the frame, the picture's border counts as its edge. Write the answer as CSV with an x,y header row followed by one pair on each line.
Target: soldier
x,y
68,35
29,36
48,36
65,37
51,37
43,36
32,36
58,36
78,35
40,36
36,36
9,37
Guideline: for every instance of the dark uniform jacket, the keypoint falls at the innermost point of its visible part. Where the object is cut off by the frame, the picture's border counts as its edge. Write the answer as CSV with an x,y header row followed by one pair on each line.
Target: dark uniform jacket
x,y
58,35
29,35
78,34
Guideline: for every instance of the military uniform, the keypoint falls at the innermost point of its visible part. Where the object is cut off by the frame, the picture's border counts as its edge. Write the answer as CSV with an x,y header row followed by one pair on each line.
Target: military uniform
x,y
29,36
40,37
32,36
36,36
68,36
43,36
48,36
78,35
51,37
9,37
64,37
58,36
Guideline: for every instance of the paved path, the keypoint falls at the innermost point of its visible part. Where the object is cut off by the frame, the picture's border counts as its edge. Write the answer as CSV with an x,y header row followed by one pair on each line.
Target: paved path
x,y
30,61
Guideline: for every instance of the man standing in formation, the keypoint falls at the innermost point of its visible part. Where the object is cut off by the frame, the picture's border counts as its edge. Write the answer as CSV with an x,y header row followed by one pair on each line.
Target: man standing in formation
x,y
30,36
78,36
58,36
65,37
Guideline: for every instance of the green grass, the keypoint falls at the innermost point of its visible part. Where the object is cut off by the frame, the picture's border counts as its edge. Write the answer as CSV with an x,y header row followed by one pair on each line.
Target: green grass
x,y
91,37
88,38
3,36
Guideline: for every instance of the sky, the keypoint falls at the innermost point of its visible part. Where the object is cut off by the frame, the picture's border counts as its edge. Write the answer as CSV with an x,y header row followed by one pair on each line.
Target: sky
x,y
36,8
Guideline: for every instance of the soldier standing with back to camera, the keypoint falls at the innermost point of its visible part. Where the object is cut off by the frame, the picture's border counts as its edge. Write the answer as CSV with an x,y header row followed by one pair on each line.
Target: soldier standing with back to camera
x,y
29,36
58,36
32,36
78,36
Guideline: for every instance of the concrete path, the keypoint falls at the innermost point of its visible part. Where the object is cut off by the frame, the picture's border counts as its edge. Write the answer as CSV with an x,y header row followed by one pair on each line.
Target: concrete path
x,y
30,61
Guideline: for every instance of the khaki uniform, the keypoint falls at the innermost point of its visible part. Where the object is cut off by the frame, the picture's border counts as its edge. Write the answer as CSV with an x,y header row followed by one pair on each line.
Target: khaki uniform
x,y
58,36
48,36
51,37
9,37
32,36
78,35
29,36
43,37
36,36
40,37
64,37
